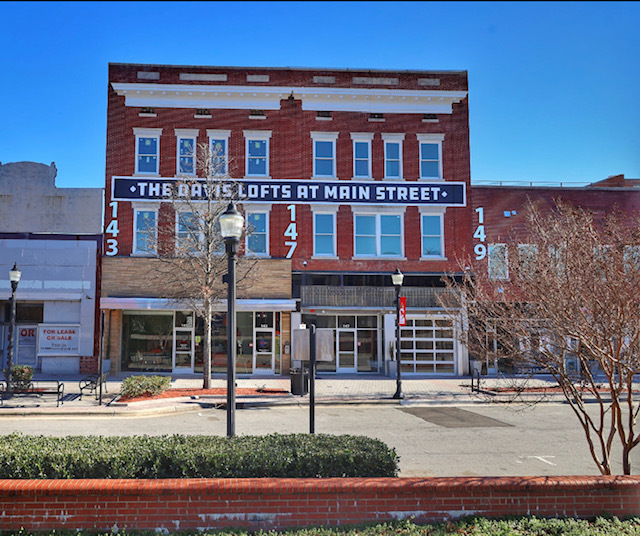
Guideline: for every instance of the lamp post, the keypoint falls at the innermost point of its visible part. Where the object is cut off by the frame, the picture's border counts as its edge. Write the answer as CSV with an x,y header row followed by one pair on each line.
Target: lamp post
x,y
397,279
14,278
231,224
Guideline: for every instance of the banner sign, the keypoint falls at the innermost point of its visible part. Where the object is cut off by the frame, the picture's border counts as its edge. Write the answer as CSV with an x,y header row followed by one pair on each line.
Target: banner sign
x,y
444,194
58,339
402,313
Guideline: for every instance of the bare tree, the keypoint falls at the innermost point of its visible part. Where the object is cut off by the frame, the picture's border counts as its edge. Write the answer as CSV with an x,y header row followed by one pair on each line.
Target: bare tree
x,y
566,304
189,245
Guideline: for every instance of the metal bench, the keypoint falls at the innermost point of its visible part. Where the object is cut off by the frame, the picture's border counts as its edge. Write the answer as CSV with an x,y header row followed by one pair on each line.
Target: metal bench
x,y
92,383
34,388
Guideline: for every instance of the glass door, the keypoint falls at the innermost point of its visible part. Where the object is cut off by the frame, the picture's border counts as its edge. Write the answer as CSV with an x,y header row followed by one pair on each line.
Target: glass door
x,y
183,351
346,344
264,352
264,337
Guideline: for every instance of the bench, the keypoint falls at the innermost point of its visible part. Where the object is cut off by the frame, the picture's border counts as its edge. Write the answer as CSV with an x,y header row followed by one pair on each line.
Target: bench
x,y
92,382
34,388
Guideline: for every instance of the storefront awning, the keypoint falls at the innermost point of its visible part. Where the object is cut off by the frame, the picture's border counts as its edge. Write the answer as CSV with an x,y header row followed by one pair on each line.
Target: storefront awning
x,y
151,304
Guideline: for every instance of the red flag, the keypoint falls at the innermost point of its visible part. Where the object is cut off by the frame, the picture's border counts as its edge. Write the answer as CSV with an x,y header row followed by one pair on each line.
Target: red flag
x,y
402,317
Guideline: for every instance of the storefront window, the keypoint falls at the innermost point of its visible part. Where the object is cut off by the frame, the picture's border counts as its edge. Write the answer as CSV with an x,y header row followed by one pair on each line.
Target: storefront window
x,y
356,339
147,342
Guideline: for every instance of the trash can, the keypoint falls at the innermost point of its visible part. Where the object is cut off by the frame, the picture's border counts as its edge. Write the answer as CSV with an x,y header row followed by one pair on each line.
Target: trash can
x,y
299,381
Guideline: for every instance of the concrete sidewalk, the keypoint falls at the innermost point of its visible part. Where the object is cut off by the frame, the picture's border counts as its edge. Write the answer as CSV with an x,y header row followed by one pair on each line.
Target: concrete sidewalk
x,y
328,390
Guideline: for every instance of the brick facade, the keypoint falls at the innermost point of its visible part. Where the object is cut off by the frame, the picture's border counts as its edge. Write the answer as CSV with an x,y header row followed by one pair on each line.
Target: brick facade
x,y
424,113
264,503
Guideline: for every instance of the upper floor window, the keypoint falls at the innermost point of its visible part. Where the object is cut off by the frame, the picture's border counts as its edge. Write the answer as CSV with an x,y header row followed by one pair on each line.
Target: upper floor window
x,y
186,151
498,262
378,235
362,154
324,154
189,235
257,152
257,241
218,150
324,234
392,155
147,150
432,236
145,236
430,155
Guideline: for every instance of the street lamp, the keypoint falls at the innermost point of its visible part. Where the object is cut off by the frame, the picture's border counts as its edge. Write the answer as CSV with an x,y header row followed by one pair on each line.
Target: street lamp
x,y
14,278
231,224
397,279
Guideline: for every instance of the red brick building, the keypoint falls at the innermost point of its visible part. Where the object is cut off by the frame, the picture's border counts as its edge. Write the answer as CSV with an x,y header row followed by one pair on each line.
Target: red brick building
x,y
347,175
500,216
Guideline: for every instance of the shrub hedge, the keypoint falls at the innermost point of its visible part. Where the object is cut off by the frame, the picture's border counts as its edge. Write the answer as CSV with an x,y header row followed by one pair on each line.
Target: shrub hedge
x,y
291,456
133,386
473,526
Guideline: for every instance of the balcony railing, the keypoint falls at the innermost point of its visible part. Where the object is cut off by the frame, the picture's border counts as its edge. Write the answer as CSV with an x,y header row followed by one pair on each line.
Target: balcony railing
x,y
374,297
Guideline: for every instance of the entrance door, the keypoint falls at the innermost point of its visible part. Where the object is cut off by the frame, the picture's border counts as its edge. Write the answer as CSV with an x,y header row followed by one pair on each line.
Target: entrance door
x,y
263,355
347,354
183,350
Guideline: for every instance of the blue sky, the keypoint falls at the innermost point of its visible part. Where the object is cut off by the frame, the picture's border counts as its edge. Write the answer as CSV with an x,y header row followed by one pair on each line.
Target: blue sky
x,y
553,86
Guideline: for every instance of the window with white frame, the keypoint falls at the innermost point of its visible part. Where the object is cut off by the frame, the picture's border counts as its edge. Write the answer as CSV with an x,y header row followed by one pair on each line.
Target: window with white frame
x,y
378,235
186,151
498,262
393,155
218,152
189,233
324,234
430,155
432,235
324,154
145,236
362,154
147,150
527,256
257,240
257,153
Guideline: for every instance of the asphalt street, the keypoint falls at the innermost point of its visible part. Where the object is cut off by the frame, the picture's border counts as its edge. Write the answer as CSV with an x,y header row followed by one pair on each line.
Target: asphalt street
x,y
431,440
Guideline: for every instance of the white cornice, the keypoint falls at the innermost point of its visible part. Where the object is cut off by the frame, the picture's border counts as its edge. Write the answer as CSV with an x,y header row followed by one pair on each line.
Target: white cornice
x,y
269,97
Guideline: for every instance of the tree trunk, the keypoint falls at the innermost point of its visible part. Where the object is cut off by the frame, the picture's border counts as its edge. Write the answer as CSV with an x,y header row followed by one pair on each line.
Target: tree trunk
x,y
206,358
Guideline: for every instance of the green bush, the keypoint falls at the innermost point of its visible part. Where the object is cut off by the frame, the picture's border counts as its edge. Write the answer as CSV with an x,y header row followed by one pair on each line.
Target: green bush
x,y
144,385
21,376
476,526
277,456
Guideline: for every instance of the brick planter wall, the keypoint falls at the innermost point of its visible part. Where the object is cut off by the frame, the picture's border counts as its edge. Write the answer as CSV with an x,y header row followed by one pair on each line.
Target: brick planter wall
x,y
280,503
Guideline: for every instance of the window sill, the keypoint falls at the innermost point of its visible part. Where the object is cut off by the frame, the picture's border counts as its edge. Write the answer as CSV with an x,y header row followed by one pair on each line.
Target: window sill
x,y
395,179
324,177
257,117
147,115
202,116
138,174
257,255
380,258
431,179
324,118
325,258
433,258
361,179
257,176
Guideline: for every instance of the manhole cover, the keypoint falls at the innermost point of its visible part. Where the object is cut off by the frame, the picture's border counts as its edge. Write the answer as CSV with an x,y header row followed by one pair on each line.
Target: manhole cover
x,y
453,417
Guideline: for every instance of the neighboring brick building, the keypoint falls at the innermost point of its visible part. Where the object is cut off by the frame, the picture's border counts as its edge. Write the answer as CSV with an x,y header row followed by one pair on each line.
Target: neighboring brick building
x,y
500,216
348,175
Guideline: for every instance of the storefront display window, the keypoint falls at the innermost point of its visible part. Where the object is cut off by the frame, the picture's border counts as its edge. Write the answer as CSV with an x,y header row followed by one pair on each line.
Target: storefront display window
x,y
147,342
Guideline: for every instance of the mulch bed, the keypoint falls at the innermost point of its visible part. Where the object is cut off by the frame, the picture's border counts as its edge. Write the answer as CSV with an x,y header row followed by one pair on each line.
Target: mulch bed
x,y
176,393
